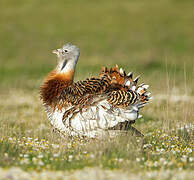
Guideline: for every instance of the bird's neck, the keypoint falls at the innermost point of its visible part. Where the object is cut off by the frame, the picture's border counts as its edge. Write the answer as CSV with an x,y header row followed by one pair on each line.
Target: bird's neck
x,y
65,69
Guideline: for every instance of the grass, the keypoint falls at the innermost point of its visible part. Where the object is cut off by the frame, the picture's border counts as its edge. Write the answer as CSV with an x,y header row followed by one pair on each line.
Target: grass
x,y
153,39
161,151
27,141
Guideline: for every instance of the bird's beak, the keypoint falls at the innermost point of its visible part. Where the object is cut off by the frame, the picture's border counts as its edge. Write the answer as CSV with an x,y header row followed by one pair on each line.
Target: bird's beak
x,y
55,51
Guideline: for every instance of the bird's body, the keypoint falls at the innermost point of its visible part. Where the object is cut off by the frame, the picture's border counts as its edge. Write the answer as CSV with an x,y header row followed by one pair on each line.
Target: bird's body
x,y
93,107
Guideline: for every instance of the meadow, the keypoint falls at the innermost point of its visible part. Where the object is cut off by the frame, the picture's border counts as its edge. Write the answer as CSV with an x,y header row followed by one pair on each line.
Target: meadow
x,y
153,39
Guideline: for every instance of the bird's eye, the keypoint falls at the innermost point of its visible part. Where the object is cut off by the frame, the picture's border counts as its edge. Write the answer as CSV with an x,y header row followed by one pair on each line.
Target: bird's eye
x,y
64,51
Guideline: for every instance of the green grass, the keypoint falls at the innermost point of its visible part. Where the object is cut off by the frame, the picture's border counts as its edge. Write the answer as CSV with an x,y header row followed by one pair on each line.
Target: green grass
x,y
152,38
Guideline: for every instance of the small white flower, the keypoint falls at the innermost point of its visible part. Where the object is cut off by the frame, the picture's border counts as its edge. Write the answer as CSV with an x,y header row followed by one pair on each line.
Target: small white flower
x,y
40,156
191,159
25,161
155,163
145,145
56,155
70,157
189,150
34,160
41,163
163,161
157,149
55,146
26,155
92,156
184,158
120,160
69,145
162,150
5,154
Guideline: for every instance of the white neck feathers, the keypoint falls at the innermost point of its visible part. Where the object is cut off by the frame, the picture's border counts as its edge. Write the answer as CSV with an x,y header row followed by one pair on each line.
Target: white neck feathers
x,y
66,66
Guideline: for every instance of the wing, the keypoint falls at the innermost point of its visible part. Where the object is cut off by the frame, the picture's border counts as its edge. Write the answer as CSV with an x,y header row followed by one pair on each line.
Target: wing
x,y
103,102
121,89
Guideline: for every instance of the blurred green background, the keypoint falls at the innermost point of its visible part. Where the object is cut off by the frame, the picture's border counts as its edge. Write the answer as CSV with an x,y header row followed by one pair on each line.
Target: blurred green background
x,y
152,38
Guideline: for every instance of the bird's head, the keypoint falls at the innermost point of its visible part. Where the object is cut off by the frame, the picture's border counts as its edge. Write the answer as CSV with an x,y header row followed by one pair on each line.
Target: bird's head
x,y
68,56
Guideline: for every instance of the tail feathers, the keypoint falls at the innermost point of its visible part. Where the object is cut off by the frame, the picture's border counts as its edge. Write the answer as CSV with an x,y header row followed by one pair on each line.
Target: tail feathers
x,y
127,82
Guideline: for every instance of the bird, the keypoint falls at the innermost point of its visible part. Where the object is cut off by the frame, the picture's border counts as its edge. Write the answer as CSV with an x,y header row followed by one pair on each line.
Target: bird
x,y
98,106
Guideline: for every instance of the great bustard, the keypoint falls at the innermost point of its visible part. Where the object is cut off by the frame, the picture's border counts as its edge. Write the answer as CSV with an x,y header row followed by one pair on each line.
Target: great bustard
x,y
95,106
